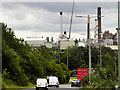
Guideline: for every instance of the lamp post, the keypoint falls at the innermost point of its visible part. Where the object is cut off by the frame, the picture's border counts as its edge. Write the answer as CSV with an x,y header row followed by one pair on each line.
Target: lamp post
x,y
88,38
100,56
115,65
67,57
119,44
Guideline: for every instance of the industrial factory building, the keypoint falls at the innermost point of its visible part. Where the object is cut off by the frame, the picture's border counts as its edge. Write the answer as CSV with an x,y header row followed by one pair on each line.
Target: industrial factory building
x,y
64,44
35,41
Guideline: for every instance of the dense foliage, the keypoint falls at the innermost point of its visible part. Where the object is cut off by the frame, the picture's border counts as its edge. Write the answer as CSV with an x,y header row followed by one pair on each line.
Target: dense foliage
x,y
105,76
79,57
23,64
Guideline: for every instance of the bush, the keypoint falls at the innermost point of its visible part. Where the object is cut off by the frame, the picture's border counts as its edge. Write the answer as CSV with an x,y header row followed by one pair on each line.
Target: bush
x,y
101,79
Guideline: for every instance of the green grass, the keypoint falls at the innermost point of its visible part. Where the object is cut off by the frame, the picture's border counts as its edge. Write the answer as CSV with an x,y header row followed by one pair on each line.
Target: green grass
x,y
29,86
15,86
73,78
66,83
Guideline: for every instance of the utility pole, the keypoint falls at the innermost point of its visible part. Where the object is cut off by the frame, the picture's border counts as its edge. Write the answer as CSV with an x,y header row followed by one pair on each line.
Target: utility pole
x,y
67,57
115,65
88,37
119,44
89,50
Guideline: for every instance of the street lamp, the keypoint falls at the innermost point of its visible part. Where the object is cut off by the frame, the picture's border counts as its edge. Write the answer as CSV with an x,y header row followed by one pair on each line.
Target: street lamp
x,y
115,65
119,44
88,27
88,38
67,57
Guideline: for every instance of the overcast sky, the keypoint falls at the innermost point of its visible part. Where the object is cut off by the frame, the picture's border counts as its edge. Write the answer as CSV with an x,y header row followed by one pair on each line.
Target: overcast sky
x,y
37,19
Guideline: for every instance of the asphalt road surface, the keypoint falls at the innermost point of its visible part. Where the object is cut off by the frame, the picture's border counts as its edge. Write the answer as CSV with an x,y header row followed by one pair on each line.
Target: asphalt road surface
x,y
61,87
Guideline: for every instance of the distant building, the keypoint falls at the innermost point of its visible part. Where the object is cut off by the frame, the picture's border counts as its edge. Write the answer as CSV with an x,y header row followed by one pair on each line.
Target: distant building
x,y
48,44
110,39
79,43
35,42
107,35
115,39
113,47
76,43
64,44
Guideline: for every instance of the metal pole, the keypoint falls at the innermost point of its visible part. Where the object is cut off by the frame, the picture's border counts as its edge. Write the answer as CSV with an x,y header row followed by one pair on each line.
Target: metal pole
x,y
88,37
115,65
88,29
89,51
100,57
61,26
0,56
119,44
67,57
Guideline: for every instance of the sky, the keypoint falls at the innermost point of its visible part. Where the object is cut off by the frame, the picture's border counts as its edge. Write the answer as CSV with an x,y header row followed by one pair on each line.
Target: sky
x,y
42,19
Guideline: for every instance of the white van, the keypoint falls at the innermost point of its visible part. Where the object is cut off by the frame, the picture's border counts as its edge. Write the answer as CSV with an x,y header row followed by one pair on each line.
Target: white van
x,y
41,83
53,81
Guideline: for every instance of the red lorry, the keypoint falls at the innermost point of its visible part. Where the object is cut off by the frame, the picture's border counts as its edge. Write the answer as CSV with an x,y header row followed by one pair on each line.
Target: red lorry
x,y
82,72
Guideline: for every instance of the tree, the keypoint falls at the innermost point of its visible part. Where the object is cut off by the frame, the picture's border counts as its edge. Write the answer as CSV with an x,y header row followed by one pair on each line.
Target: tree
x,y
23,64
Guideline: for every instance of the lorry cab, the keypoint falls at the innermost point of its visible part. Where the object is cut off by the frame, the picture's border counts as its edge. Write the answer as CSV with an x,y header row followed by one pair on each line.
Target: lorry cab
x,y
53,81
41,83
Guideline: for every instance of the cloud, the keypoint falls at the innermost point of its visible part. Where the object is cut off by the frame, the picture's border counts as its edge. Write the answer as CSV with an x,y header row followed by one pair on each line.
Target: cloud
x,y
44,16
62,6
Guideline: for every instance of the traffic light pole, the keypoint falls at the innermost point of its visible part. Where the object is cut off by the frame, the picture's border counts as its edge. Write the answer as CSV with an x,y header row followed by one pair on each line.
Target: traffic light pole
x,y
119,44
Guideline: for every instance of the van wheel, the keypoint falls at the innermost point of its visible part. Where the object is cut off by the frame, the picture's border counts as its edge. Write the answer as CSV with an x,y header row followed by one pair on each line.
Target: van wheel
x,y
37,88
57,86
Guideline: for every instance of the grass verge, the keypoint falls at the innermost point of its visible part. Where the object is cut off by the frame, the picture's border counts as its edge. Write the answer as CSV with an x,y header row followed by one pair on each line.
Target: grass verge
x,y
71,78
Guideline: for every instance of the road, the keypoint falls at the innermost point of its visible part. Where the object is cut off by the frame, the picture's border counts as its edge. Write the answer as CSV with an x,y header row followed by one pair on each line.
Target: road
x,y
61,87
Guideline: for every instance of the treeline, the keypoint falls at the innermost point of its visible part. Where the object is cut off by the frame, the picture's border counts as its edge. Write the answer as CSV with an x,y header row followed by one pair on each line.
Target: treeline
x,y
78,57
105,76
22,64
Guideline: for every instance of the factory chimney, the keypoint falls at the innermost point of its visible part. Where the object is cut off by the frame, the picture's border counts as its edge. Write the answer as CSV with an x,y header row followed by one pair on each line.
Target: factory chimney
x,y
99,24
88,28
61,25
